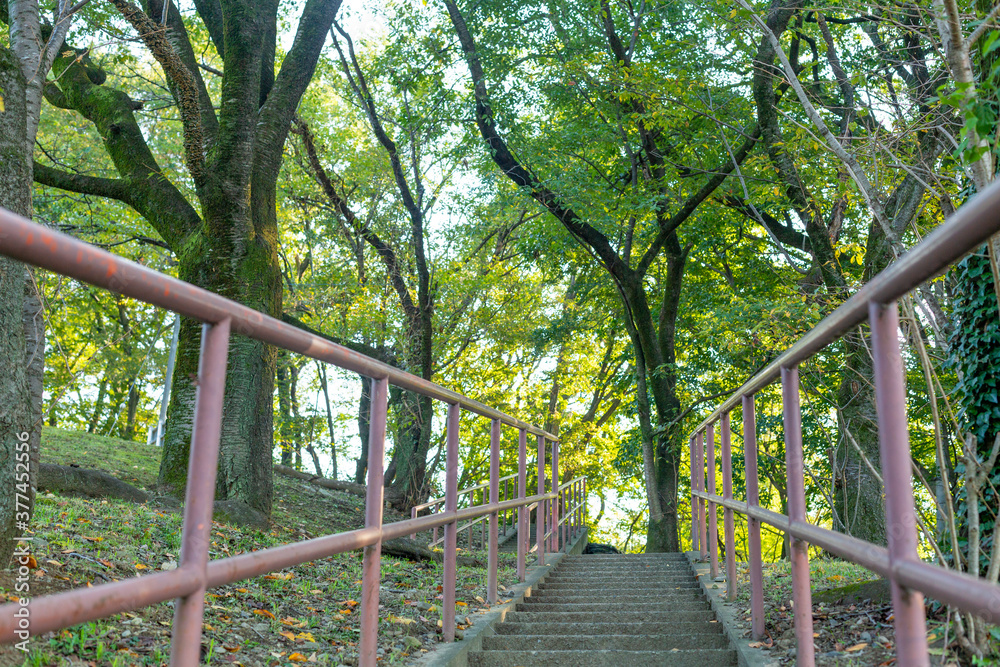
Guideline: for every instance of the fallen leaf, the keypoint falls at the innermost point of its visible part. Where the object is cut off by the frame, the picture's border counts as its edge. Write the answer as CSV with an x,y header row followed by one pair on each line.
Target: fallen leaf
x,y
287,635
140,566
351,603
462,604
263,612
231,649
297,657
856,647
92,539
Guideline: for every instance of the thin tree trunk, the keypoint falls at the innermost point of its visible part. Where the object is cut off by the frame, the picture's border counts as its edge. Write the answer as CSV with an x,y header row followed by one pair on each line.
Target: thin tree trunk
x,y
329,417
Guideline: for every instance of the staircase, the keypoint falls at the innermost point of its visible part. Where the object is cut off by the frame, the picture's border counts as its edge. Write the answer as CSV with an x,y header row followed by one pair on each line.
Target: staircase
x,y
613,611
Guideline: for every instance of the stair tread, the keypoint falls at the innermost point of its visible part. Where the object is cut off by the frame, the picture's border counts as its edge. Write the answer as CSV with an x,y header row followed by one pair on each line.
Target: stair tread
x,y
611,610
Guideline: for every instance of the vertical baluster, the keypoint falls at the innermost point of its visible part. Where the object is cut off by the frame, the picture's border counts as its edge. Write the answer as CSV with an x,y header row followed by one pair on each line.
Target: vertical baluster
x,y
795,484
753,525
200,492
522,512
729,527
491,565
554,545
894,449
482,520
413,515
713,518
450,529
702,512
694,500
541,511
372,564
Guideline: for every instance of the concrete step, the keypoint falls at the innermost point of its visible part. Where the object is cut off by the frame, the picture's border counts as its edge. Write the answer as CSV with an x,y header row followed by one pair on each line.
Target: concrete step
x,y
589,585
606,581
603,628
668,605
560,615
678,658
602,595
604,641
620,604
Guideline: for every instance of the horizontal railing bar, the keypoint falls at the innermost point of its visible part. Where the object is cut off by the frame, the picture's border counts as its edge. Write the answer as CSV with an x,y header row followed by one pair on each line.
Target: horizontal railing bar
x,y
34,244
972,224
571,482
81,605
438,501
962,591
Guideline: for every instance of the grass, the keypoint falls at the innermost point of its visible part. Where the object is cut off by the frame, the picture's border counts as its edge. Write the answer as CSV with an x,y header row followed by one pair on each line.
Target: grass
x,y
307,613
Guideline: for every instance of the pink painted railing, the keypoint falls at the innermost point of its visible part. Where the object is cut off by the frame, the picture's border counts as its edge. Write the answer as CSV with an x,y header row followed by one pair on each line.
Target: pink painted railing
x,y
571,493
33,244
910,577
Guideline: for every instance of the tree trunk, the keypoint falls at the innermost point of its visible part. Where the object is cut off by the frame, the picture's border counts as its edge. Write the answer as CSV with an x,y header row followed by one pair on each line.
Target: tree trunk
x,y
251,277
329,418
102,391
284,412
15,405
364,419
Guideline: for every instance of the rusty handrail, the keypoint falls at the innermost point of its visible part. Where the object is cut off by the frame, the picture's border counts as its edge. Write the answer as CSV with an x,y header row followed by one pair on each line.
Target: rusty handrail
x,y
910,577
60,253
31,243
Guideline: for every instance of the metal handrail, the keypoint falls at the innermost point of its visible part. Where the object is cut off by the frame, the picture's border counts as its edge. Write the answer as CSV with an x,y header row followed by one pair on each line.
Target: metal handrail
x,y
461,492
23,240
910,577
60,253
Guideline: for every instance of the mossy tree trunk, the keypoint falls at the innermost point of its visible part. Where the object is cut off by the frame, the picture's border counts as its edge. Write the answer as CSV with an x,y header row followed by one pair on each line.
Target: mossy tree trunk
x,y
15,195
227,242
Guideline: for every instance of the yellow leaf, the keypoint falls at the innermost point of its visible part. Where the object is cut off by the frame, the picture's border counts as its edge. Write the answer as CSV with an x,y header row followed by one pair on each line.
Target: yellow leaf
x,y
297,657
856,647
462,604
94,539
287,635
351,603
263,612
305,636
140,566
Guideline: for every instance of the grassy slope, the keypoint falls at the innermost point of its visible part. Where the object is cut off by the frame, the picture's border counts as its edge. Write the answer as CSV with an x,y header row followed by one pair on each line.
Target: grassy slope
x,y
308,612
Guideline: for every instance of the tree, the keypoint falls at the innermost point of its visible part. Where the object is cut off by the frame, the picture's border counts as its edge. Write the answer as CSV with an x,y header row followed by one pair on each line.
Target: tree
x,y
23,69
646,230
219,219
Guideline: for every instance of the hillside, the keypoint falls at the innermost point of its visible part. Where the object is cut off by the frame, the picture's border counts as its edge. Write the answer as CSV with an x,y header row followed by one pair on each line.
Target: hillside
x,y
303,614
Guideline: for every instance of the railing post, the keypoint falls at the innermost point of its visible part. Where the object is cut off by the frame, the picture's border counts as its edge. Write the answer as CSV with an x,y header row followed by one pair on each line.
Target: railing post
x,y
491,566
894,448
371,567
795,484
584,510
729,528
450,529
753,525
713,518
694,500
554,546
200,492
522,511
541,511
702,513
